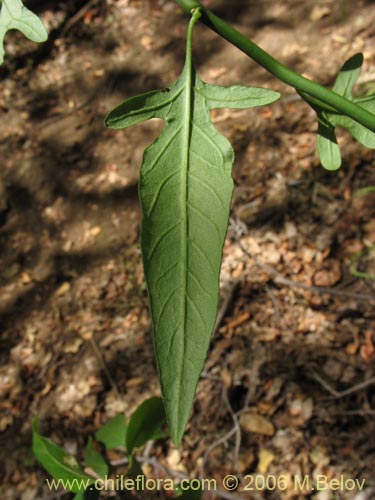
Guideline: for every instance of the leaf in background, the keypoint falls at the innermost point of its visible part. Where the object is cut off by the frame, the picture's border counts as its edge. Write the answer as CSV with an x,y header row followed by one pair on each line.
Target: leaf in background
x,y
364,191
14,15
185,190
146,424
58,463
95,460
112,434
328,149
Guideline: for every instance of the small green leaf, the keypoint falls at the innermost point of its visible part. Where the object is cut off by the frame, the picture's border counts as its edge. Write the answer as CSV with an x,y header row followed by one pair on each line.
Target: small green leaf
x,y
146,424
348,75
364,191
14,15
58,463
113,433
328,149
95,460
356,257
185,189
358,131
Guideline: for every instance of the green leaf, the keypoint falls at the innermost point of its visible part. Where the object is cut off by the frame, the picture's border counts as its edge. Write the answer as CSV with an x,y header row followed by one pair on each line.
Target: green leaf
x,y
364,191
358,131
95,460
113,433
58,463
357,256
185,191
328,148
146,424
14,15
348,75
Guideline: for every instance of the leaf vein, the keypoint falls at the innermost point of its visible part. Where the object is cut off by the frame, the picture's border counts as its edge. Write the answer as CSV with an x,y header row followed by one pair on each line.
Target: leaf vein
x,y
211,141
210,188
163,149
197,311
166,302
200,285
159,278
160,189
204,216
204,255
161,237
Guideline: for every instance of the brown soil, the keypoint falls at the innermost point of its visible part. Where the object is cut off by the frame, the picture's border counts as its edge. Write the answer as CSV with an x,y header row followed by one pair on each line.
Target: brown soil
x,y
72,293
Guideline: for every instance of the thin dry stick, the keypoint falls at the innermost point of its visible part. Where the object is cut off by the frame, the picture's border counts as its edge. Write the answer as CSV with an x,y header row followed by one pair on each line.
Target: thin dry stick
x,y
104,367
72,21
231,289
341,394
224,439
236,426
326,386
361,413
296,284
356,388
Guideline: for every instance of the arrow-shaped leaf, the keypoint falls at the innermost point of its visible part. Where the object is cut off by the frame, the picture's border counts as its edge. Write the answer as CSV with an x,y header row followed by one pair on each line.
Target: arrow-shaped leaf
x,y
14,15
185,190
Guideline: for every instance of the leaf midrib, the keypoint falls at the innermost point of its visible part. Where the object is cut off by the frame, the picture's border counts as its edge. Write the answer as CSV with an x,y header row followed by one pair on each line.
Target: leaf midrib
x,y
184,207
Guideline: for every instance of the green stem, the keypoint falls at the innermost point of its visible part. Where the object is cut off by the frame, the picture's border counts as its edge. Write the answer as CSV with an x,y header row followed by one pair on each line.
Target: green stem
x,y
327,98
196,14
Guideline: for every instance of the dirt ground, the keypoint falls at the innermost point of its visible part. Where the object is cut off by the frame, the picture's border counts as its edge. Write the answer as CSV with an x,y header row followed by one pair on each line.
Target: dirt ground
x,y
288,387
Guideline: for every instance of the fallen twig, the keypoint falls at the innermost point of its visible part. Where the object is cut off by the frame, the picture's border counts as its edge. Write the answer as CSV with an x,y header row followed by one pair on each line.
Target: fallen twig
x,y
236,424
229,291
297,284
76,18
341,394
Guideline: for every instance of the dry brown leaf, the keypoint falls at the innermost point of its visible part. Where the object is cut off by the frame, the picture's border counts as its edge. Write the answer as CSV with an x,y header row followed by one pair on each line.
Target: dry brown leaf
x,y
216,72
63,289
252,422
134,382
242,318
265,459
318,12
147,42
329,274
226,377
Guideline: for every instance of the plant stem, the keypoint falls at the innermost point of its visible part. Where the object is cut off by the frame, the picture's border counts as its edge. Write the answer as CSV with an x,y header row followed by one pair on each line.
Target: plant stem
x,y
326,97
